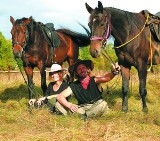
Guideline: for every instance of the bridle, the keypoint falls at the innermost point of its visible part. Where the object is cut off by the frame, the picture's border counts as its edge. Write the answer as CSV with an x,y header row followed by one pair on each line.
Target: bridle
x,y
105,36
26,34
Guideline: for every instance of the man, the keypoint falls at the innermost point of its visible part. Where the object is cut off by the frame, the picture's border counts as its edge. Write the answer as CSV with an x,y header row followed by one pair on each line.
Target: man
x,y
87,90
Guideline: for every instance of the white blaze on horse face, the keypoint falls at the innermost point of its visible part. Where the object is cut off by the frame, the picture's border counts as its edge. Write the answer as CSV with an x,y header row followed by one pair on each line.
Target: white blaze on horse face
x,y
94,20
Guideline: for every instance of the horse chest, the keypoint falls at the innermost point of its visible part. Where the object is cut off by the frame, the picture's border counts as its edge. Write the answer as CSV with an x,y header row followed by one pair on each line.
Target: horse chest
x,y
124,57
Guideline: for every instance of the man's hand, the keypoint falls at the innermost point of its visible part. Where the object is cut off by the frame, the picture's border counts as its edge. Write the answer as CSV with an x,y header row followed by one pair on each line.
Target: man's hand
x,y
116,69
73,107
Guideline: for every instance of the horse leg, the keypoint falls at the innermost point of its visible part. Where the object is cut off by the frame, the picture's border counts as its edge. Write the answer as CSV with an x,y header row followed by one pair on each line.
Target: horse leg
x,y
71,72
125,87
43,81
142,73
70,69
29,73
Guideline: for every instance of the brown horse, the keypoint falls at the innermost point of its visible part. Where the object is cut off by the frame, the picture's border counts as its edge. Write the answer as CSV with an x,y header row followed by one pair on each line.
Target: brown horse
x,y
31,45
134,45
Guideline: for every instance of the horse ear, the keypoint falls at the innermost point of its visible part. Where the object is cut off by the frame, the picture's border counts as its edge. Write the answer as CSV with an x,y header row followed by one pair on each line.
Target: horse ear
x,y
100,6
31,17
12,20
89,9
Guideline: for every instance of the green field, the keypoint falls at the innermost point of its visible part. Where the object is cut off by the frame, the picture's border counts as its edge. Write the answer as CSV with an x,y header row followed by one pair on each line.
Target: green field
x,y
21,123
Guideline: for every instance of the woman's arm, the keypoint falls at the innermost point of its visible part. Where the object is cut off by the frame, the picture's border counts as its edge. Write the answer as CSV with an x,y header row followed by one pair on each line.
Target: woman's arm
x,y
48,97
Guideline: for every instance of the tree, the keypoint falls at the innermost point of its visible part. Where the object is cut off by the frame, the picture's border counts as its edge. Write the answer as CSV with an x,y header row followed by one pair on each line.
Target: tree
x,y
7,61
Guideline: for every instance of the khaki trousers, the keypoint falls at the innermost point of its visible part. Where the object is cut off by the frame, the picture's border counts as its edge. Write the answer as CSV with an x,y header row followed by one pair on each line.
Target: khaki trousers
x,y
87,110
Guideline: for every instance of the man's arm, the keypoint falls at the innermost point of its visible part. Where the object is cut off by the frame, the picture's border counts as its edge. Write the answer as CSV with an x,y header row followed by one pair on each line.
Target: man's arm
x,y
63,95
62,99
109,75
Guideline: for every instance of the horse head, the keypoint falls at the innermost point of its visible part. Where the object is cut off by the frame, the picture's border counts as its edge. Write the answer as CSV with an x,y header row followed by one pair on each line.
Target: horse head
x,y
20,35
99,25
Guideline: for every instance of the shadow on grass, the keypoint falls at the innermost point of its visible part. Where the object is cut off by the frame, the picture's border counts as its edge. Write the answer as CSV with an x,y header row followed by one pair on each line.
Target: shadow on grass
x,y
17,93
112,96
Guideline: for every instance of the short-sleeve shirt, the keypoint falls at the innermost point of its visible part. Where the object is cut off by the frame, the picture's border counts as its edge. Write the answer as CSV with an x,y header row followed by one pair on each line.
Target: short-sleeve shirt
x,y
89,95
50,90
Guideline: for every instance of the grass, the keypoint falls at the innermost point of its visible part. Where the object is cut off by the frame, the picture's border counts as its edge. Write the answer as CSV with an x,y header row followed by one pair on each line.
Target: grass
x,y
19,122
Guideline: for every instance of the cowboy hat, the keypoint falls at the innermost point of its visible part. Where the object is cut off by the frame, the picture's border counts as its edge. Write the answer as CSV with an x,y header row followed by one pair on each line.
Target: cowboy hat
x,y
88,63
56,68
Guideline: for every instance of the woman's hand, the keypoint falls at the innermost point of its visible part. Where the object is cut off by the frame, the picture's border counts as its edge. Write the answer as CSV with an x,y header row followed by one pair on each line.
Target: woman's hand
x,y
31,102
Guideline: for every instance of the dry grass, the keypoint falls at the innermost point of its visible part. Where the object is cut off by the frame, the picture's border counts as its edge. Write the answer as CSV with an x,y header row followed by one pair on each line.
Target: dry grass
x,y
18,122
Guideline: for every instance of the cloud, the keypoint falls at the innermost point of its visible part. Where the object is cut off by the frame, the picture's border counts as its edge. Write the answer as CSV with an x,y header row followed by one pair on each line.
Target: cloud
x,y
63,12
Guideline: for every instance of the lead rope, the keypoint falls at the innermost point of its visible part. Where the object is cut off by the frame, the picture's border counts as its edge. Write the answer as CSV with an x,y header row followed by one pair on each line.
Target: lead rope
x,y
114,85
31,90
136,35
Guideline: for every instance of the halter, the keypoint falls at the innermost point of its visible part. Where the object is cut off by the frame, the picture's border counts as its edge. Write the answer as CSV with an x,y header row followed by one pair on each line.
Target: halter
x,y
104,38
105,35
26,34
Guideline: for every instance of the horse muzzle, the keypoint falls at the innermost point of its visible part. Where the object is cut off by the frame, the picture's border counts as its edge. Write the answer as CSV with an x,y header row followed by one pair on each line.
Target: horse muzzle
x,y
17,51
95,49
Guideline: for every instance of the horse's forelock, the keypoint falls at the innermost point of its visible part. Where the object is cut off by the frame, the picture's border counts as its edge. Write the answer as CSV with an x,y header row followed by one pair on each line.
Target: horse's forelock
x,y
20,21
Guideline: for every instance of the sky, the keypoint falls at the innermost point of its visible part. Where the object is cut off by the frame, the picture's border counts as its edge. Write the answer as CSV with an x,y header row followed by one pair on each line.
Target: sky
x,y
64,13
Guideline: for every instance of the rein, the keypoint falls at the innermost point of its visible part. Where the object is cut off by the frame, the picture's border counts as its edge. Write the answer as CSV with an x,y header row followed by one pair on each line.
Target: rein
x,y
136,35
29,87
113,86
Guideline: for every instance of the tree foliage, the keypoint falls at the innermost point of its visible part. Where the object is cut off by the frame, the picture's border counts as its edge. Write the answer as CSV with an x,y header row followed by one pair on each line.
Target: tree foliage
x,y
7,61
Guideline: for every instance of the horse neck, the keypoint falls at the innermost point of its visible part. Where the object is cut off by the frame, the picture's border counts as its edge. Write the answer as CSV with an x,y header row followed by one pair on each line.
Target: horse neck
x,y
124,23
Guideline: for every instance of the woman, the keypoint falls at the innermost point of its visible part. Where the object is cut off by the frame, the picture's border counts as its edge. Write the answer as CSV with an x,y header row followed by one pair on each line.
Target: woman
x,y
54,88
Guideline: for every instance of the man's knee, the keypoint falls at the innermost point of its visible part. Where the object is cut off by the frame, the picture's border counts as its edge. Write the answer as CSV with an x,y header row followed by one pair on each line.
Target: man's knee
x,y
61,109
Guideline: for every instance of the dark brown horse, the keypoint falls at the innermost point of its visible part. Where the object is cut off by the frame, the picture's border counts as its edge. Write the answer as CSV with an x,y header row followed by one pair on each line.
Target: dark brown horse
x,y
134,45
31,45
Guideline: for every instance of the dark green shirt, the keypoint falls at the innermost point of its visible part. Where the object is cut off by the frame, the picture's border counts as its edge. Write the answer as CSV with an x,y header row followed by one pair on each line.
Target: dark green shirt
x,y
50,91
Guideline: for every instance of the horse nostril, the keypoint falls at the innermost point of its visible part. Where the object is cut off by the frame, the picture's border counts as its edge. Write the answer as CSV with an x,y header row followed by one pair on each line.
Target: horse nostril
x,y
96,52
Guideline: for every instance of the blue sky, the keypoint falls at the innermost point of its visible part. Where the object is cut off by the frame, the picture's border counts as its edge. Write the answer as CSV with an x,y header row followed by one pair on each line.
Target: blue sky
x,y
63,13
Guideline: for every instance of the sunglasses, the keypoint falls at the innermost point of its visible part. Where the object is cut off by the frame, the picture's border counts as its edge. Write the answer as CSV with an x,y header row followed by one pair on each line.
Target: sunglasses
x,y
52,73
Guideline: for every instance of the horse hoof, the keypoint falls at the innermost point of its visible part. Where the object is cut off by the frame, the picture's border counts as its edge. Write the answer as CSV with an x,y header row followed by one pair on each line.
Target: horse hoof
x,y
125,110
145,110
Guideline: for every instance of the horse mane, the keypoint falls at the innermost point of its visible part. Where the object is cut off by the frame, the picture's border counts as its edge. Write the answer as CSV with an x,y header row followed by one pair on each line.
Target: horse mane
x,y
130,15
